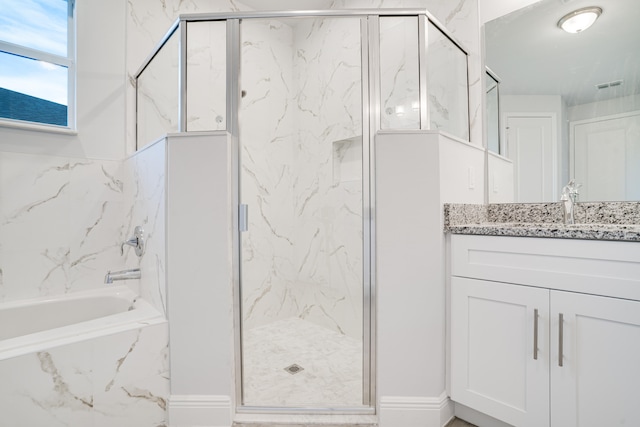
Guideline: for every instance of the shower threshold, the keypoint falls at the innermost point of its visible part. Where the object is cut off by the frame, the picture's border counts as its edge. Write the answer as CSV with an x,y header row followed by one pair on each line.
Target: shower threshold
x,y
304,420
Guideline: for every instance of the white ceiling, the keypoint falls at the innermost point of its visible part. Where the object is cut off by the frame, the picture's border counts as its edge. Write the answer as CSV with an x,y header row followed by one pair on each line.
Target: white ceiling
x,y
531,55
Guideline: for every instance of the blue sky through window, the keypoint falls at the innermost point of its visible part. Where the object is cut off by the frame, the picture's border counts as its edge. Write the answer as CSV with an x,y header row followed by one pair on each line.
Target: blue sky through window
x,y
41,25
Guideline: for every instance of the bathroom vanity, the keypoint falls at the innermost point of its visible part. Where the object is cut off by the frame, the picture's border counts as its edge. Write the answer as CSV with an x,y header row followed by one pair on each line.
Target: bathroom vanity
x,y
545,331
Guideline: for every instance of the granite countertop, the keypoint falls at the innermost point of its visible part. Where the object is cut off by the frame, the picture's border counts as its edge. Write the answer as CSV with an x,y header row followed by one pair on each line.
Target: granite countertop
x,y
618,221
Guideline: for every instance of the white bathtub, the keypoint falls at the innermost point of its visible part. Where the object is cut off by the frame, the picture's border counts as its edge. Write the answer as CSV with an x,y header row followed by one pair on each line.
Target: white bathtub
x,y
38,324
95,358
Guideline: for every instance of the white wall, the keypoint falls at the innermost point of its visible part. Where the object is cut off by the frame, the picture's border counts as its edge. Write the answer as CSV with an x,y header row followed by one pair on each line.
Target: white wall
x,y
100,91
500,179
417,172
199,277
604,108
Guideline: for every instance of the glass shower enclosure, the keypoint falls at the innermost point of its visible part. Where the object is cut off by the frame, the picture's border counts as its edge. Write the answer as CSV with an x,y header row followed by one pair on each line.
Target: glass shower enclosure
x,y
302,96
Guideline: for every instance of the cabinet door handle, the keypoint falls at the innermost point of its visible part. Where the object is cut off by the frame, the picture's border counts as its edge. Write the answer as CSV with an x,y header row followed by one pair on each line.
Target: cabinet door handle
x,y
560,338
535,334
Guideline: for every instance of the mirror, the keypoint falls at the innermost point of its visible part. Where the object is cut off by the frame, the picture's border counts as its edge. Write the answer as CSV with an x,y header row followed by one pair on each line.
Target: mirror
x,y
569,103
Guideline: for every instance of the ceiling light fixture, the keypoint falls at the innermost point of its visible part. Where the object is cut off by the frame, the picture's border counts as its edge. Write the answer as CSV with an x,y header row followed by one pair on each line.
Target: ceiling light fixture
x,y
579,20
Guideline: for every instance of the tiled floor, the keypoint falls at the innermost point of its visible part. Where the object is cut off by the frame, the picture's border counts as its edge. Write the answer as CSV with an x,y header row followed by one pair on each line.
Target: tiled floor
x,y
459,423
329,373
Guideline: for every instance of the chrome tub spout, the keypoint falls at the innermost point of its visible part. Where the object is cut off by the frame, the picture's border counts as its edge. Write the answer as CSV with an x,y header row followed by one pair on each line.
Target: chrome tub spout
x,y
133,273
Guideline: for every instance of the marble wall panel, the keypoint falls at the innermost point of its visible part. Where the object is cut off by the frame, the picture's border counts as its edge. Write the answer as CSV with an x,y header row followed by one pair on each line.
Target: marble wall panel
x,y
266,147
60,223
120,379
282,147
157,95
461,19
303,249
207,76
399,73
147,22
328,255
447,96
145,205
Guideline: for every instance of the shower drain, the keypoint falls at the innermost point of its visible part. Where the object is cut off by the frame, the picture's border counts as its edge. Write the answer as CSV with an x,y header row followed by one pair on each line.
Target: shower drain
x,y
294,369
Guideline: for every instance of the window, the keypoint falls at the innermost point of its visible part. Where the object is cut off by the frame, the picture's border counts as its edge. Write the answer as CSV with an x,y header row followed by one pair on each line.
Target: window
x,y
37,66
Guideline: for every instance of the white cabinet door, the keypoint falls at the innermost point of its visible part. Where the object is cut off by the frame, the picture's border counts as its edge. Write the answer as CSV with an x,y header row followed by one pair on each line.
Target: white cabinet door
x,y
598,382
494,368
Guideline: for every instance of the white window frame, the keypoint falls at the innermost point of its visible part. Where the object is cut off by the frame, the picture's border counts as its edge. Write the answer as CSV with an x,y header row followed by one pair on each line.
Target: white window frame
x,y
68,62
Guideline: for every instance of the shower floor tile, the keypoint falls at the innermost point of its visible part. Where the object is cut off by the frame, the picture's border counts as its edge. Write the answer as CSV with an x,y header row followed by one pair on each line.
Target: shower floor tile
x,y
296,363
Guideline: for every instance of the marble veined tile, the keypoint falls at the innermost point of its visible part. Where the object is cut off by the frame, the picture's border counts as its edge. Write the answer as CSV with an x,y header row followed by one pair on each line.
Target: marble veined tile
x,y
331,366
59,223
302,254
206,74
118,380
145,206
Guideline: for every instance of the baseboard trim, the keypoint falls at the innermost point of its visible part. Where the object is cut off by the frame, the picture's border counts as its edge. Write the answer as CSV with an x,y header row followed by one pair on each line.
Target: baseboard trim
x,y
192,410
415,411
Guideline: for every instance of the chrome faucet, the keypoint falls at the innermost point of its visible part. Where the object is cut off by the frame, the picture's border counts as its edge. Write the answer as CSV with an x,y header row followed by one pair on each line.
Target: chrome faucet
x,y
133,273
569,198
137,241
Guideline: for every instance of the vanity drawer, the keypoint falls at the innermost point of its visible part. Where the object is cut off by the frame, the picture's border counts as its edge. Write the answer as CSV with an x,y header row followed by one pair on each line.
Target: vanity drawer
x,y
589,266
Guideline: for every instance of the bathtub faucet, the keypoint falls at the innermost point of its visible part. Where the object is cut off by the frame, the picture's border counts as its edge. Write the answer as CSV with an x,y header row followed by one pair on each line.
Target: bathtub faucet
x,y
137,241
134,273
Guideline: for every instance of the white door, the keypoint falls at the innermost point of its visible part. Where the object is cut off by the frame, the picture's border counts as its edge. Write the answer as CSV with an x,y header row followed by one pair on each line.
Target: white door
x,y
531,146
598,382
494,368
606,158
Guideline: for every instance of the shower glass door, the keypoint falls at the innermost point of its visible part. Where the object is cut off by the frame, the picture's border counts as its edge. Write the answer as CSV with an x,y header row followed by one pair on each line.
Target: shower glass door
x,y
304,254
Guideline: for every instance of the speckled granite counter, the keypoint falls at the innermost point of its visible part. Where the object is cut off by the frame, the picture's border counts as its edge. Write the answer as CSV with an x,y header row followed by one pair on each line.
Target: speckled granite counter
x,y
594,221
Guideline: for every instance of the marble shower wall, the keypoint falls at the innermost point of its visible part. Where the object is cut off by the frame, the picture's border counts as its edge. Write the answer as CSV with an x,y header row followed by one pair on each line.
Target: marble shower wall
x,y
399,73
301,144
461,19
283,282
328,172
266,176
61,224
159,83
147,22
207,75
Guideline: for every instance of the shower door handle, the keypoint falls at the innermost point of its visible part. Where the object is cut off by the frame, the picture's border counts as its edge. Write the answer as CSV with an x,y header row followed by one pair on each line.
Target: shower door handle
x,y
243,218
